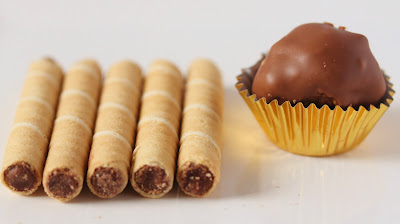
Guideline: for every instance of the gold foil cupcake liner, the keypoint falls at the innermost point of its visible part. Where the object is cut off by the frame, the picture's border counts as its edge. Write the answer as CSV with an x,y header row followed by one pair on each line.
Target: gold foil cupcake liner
x,y
307,129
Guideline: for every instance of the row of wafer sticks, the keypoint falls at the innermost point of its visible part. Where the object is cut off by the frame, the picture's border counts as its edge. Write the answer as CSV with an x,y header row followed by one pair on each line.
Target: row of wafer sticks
x,y
69,126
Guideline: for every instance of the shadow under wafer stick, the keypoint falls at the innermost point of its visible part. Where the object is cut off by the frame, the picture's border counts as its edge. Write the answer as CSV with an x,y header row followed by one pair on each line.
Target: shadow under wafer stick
x,y
111,153
27,145
199,160
72,135
154,158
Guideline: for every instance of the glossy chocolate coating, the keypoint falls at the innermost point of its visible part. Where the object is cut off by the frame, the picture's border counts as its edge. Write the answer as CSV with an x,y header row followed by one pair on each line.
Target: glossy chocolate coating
x,y
318,63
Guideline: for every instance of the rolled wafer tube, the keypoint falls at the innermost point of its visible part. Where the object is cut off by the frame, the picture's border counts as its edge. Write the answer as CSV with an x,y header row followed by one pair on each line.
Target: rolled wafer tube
x,y
154,158
199,160
27,145
111,153
72,135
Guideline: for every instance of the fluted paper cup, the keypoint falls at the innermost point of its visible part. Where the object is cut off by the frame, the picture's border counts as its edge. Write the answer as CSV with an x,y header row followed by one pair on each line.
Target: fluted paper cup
x,y
307,129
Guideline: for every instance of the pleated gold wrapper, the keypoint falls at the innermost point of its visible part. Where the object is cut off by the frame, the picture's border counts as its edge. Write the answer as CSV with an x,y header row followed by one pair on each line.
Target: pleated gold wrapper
x,y
309,130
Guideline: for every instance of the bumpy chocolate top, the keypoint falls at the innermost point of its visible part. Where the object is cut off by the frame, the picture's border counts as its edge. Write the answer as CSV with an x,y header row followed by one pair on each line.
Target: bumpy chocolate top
x,y
318,63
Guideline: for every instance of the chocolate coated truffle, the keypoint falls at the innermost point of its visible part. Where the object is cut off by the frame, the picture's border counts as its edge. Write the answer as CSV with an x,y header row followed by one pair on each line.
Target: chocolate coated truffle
x,y
318,63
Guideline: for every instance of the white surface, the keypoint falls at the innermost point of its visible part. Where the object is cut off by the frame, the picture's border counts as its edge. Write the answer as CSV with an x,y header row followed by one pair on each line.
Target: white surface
x,y
260,183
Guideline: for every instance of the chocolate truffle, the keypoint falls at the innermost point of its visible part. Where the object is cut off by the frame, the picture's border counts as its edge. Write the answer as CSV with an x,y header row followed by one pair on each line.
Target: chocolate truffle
x,y
318,63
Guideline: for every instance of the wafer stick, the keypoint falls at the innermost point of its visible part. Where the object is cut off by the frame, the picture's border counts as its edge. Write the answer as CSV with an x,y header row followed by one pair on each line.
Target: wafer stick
x,y
111,153
154,158
199,161
29,138
72,135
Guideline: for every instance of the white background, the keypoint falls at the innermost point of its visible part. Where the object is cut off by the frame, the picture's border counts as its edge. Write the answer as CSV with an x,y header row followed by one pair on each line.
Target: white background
x,y
260,183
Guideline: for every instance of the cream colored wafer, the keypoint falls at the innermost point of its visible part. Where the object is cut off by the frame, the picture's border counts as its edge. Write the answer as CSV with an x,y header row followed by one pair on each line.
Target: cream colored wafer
x,y
72,135
111,153
154,158
199,161
27,145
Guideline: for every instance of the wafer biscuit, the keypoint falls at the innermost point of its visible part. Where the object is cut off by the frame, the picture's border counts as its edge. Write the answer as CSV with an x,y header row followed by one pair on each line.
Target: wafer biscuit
x,y
72,135
28,142
111,153
154,158
199,161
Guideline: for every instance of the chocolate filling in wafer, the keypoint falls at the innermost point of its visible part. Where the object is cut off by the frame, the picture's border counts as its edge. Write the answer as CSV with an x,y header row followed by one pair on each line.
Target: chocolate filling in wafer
x,y
20,177
107,181
197,179
151,179
62,183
